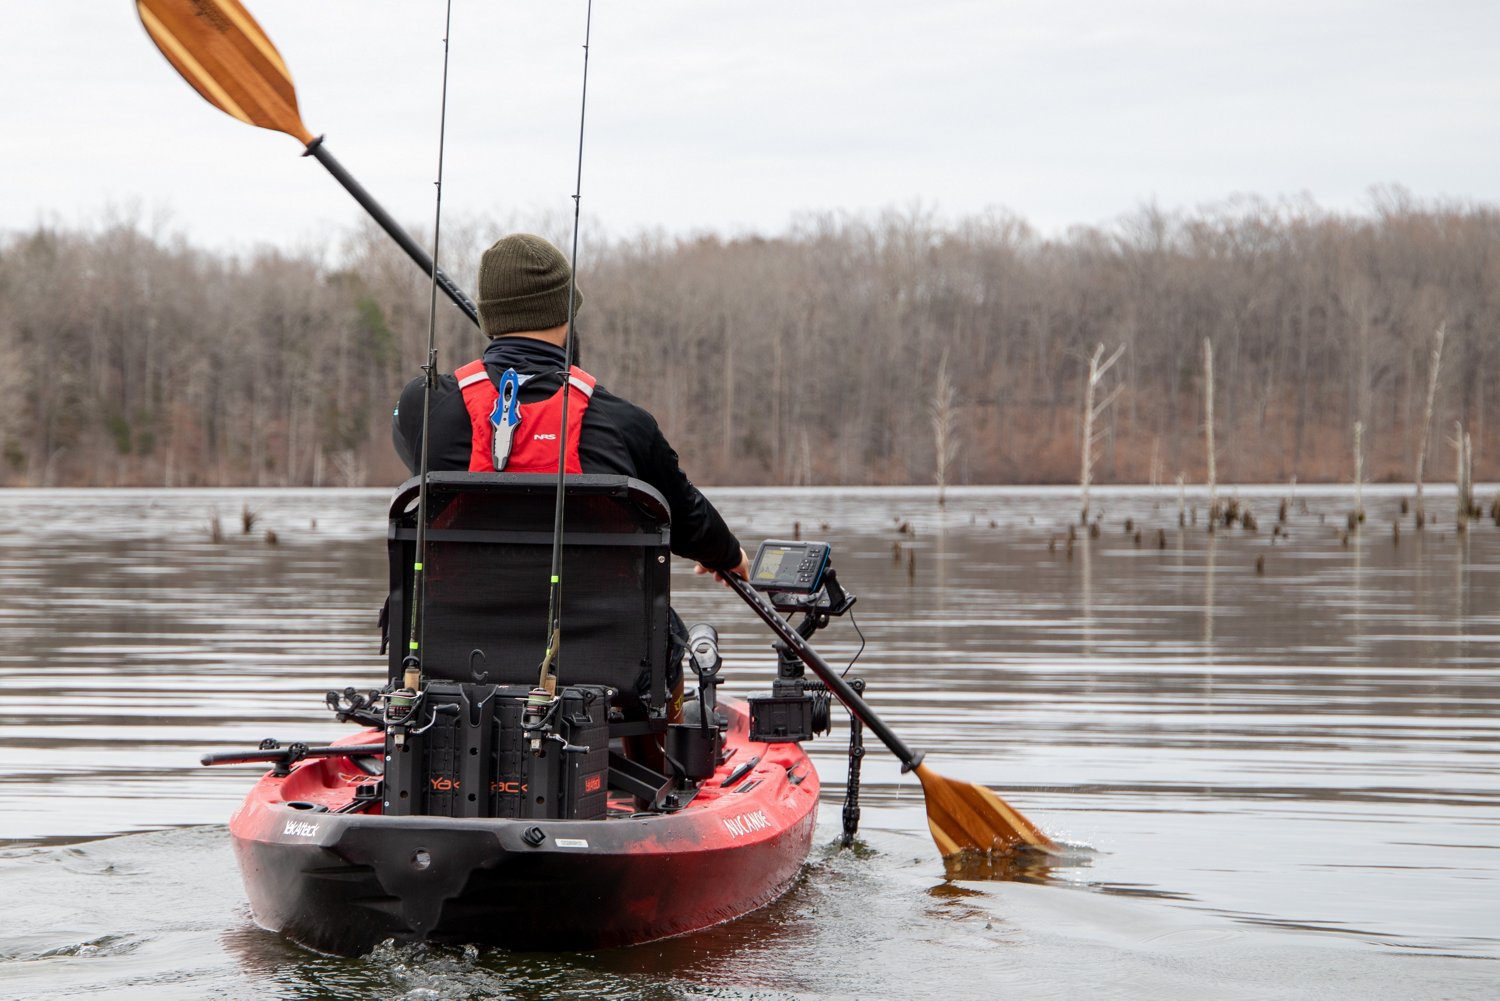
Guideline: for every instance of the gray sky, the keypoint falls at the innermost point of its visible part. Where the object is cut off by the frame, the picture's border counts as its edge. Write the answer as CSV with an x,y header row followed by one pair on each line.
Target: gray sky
x,y
735,116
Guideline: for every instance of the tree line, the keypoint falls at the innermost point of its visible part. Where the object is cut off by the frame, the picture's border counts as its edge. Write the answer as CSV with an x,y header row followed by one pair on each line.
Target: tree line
x,y
130,357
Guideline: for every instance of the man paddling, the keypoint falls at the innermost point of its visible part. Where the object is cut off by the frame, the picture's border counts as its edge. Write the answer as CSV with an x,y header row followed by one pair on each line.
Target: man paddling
x,y
503,410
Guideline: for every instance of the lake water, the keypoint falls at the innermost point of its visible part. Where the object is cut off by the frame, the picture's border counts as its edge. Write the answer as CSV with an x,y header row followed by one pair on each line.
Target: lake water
x,y
1278,748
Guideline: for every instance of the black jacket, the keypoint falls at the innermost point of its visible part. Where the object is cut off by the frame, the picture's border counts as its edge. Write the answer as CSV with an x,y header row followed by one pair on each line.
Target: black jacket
x,y
617,437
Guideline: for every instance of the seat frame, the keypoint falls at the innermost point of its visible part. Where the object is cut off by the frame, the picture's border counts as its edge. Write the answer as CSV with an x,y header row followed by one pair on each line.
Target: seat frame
x,y
601,514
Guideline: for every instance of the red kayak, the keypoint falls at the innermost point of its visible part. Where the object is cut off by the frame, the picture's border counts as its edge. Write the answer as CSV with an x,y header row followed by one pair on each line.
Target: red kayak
x,y
479,805
341,882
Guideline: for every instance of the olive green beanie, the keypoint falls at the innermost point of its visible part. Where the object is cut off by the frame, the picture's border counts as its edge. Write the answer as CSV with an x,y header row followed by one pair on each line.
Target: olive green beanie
x,y
523,285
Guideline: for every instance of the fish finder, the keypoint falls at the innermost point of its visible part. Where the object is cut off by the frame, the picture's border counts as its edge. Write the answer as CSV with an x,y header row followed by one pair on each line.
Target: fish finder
x,y
795,577
789,567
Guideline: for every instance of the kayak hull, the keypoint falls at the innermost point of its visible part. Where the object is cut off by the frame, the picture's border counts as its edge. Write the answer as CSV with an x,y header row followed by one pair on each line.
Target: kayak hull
x,y
342,882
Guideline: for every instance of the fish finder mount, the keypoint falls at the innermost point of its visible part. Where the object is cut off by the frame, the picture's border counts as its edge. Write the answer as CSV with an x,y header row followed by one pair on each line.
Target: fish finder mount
x,y
795,577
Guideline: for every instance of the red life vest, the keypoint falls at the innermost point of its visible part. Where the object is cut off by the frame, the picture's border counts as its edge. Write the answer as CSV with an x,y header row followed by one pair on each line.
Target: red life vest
x,y
534,439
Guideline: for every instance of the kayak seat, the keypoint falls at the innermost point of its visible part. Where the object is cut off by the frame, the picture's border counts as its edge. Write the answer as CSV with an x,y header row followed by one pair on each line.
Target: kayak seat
x,y
487,575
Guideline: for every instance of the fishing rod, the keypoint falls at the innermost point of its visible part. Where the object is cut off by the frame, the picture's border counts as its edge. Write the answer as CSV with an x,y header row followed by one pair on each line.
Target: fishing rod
x,y
222,52
411,681
547,678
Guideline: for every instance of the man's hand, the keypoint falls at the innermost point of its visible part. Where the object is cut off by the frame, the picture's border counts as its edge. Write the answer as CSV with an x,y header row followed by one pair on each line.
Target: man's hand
x,y
742,571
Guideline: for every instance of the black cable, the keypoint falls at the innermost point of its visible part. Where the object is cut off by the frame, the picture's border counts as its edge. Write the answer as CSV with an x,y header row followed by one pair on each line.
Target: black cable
x,y
853,622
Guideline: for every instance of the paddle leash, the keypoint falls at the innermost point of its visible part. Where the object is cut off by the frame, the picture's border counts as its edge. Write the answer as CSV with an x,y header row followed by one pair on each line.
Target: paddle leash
x,y
222,52
547,673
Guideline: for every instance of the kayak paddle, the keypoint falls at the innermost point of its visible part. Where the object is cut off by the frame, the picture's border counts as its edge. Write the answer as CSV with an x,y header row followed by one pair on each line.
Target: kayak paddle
x,y
219,49
963,817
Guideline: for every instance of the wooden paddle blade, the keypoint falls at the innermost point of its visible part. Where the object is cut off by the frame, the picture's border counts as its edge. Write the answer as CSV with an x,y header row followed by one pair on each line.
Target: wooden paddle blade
x,y
965,817
219,49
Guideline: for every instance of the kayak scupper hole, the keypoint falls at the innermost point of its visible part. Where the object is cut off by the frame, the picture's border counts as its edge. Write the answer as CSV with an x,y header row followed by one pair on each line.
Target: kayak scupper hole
x,y
302,804
421,858
473,751
403,793
473,797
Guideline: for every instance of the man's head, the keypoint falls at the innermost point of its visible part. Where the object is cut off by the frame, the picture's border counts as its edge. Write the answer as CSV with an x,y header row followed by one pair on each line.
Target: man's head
x,y
523,286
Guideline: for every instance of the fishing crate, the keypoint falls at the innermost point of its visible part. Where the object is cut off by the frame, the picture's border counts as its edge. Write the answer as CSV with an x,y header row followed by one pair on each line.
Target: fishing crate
x,y
476,760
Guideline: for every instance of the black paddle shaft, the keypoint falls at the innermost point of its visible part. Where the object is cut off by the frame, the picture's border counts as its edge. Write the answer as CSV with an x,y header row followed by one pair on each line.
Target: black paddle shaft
x,y
318,151
837,685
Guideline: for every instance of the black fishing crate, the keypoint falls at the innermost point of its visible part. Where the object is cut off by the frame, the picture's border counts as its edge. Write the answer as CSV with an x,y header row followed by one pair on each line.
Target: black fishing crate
x,y
558,779
446,770
475,760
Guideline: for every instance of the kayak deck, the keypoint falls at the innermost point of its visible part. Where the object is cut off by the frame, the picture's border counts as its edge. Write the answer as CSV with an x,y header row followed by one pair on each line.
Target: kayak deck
x,y
342,882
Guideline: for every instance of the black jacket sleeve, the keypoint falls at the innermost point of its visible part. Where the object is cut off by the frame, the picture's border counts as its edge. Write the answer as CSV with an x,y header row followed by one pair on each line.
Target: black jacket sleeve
x,y
620,437
451,435
698,530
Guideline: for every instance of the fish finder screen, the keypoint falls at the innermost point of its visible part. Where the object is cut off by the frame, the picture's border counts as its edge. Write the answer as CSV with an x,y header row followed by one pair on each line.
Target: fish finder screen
x,y
789,566
773,560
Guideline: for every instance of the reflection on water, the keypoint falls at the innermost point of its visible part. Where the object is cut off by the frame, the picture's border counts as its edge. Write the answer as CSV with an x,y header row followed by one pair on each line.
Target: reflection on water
x,y
1253,754
1024,865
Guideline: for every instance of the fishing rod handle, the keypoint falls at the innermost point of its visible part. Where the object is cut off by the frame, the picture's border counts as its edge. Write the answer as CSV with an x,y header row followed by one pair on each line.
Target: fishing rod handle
x,y
280,753
841,688
319,152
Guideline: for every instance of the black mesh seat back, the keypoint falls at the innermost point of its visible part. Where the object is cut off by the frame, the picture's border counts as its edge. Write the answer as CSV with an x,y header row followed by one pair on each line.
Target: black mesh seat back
x,y
488,568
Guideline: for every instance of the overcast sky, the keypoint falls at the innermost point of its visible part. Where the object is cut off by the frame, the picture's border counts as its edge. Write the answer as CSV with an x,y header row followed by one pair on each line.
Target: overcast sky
x,y
734,116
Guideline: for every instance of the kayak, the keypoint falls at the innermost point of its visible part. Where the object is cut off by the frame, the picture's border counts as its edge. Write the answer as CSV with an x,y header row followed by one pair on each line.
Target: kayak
x,y
340,880
477,805
479,604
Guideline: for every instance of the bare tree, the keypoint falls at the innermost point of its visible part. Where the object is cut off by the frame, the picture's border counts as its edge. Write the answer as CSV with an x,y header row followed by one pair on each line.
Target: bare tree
x,y
1359,472
1208,430
1092,411
1473,511
1432,383
350,468
944,408
1462,453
